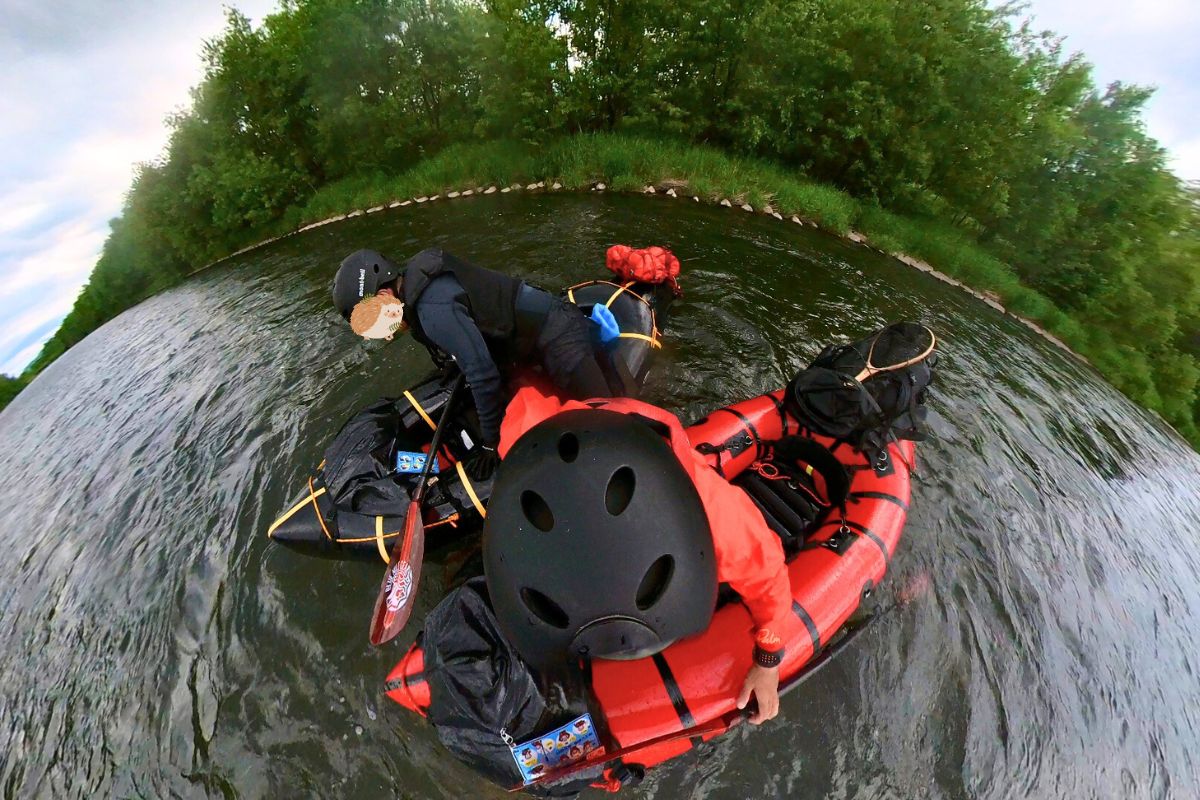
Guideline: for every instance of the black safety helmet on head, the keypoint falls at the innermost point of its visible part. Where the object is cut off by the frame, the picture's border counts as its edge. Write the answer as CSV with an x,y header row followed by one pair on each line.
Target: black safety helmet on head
x,y
596,542
362,273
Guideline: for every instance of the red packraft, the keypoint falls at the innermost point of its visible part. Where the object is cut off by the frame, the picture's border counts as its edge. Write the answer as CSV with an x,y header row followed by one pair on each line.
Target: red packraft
x,y
647,265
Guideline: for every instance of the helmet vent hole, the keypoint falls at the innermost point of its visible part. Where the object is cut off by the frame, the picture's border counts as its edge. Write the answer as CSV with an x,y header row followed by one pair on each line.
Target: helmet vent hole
x,y
537,511
620,491
655,582
544,608
376,269
568,447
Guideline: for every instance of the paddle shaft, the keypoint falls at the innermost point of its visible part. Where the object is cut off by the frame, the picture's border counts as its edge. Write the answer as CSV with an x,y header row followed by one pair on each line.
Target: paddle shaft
x,y
393,606
418,495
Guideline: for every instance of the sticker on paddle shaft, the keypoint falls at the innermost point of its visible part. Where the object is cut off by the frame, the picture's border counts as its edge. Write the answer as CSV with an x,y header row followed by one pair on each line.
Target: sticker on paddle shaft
x,y
558,749
398,587
412,463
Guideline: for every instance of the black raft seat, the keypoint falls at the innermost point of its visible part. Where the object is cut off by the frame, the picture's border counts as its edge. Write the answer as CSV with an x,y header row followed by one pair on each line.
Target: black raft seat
x,y
795,488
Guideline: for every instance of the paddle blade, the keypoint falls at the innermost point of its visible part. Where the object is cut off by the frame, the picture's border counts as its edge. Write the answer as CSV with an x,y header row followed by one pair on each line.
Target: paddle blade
x,y
398,593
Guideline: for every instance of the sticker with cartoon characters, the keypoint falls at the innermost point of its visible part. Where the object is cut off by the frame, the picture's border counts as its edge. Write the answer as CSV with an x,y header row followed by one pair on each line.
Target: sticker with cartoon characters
x,y
559,748
413,463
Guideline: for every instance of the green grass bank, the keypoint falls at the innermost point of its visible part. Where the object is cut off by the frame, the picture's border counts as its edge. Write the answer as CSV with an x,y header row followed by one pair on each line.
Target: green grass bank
x,y
626,163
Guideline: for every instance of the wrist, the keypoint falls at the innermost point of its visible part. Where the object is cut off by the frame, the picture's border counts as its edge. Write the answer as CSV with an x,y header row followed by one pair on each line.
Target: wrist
x,y
767,659
768,648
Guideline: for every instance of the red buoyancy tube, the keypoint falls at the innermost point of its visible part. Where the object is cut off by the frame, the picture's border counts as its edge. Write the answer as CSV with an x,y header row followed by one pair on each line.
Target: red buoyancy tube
x,y
734,437
697,679
406,682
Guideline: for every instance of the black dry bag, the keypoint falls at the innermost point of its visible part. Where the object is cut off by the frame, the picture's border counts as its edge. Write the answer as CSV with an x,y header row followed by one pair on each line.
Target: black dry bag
x,y
358,466
483,696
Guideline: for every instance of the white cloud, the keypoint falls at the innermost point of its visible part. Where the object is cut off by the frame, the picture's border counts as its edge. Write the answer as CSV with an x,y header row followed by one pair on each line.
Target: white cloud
x,y
41,309
16,365
83,97
63,257
20,214
1186,159
1150,43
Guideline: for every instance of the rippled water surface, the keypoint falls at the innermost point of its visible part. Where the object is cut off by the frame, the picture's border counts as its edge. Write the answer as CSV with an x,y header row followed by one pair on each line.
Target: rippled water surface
x,y
154,644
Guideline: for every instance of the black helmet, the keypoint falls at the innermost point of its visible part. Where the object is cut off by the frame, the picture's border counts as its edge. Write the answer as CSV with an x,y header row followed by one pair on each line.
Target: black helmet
x,y
362,273
596,542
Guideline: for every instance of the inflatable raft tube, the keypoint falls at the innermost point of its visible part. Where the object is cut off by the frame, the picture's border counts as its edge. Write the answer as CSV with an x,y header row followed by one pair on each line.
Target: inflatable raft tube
x,y
834,563
314,524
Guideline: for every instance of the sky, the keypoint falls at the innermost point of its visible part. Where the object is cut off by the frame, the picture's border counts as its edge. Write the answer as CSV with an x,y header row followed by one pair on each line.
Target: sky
x,y
85,87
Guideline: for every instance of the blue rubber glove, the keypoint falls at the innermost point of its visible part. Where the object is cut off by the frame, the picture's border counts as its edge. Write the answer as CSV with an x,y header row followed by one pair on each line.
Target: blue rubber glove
x,y
602,315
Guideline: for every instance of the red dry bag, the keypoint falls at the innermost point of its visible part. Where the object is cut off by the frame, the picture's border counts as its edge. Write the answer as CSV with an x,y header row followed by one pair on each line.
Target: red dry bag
x,y
646,265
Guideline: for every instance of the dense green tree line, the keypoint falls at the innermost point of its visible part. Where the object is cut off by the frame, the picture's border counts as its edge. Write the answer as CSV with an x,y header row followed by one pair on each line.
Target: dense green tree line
x,y
9,388
947,111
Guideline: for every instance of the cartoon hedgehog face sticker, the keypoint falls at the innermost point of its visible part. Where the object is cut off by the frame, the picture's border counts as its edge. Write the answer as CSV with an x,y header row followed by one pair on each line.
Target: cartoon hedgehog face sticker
x,y
377,317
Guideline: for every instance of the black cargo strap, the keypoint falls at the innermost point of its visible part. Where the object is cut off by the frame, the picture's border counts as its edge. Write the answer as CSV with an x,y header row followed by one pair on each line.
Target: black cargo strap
x,y
779,409
735,445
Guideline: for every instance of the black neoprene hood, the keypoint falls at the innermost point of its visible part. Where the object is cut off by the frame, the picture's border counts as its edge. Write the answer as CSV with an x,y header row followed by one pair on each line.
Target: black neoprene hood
x,y
596,542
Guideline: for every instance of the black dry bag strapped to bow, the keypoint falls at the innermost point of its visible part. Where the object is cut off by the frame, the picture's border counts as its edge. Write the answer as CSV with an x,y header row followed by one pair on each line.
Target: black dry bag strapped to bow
x,y
484,698
868,391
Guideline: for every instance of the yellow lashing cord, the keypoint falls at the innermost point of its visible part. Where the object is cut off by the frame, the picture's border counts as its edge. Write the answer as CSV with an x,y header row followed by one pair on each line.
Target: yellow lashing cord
x,y
413,401
617,294
653,342
585,284
462,476
383,553
359,540
312,498
316,508
654,333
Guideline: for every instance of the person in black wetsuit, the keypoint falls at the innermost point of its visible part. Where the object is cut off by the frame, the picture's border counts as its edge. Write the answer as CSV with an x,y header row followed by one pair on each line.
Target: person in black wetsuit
x,y
487,322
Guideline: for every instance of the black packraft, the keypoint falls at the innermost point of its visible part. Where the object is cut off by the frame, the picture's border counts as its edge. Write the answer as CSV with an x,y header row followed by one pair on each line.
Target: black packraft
x,y
887,404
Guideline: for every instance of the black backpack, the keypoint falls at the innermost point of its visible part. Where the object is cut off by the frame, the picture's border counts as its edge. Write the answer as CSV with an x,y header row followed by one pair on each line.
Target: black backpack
x,y
888,403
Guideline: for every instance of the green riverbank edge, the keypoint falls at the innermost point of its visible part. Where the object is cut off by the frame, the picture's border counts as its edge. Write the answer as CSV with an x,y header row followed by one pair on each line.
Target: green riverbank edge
x,y
627,164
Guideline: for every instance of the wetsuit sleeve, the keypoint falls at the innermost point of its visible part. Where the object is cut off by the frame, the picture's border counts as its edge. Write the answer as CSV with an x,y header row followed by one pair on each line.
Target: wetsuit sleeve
x,y
749,556
449,325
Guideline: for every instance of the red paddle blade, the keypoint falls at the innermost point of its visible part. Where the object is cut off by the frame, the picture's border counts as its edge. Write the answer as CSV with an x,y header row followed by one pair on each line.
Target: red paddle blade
x,y
398,593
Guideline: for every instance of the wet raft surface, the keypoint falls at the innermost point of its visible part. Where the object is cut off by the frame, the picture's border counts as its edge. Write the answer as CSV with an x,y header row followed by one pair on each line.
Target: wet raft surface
x,y
153,643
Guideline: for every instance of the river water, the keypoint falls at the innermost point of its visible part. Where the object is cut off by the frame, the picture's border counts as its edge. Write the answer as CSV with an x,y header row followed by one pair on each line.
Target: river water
x,y
153,643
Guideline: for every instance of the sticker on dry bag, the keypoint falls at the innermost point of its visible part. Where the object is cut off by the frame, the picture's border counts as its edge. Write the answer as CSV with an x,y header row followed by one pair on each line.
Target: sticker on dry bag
x,y
412,463
557,749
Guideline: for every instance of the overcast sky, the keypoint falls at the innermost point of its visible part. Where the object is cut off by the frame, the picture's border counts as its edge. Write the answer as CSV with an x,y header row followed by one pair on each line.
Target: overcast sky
x,y
86,84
